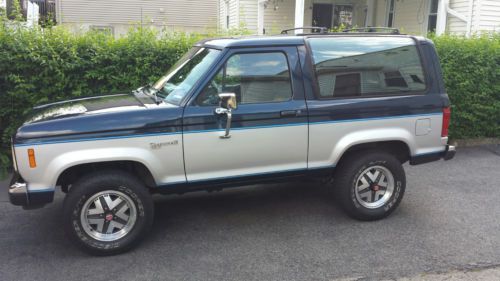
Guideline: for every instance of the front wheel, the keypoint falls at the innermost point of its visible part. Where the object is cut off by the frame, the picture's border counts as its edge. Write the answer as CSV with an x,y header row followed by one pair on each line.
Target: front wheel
x,y
370,185
108,212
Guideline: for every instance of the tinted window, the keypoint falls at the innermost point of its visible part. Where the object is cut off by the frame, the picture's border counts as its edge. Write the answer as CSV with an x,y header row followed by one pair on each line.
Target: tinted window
x,y
254,78
181,78
364,66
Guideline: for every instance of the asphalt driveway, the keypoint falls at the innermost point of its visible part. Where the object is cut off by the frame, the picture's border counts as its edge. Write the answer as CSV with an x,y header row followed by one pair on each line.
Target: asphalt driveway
x,y
449,219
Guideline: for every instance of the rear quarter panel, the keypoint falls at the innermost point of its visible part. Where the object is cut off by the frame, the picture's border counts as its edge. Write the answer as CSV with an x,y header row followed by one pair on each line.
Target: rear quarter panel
x,y
340,123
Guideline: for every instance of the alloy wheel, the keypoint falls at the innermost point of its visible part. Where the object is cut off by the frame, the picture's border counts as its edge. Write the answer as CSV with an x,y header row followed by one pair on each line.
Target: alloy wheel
x,y
374,187
108,215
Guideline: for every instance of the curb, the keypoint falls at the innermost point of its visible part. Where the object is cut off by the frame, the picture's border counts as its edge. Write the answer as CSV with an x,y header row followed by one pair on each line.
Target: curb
x,y
475,142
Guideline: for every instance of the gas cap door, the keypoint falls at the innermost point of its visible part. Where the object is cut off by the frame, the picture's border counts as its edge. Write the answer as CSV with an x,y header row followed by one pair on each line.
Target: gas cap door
x,y
423,127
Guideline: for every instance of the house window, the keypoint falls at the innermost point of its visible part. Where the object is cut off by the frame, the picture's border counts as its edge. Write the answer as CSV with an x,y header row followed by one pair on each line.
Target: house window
x,y
328,15
432,21
343,15
322,15
390,13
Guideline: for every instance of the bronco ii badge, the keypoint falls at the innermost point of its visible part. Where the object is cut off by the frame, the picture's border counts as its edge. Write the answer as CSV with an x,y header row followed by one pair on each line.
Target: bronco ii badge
x,y
159,145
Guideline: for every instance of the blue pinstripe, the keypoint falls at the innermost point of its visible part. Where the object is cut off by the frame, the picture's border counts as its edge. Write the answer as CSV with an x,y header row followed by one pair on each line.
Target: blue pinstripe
x,y
221,130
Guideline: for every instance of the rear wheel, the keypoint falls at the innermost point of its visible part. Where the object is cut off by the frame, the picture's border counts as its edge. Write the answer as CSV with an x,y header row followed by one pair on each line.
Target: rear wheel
x,y
108,212
369,184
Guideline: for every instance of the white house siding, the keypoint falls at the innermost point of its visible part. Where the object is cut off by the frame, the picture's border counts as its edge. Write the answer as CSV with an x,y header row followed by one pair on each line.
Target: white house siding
x,y
485,16
380,12
359,13
229,8
185,15
489,15
234,15
281,18
411,16
456,25
308,12
221,13
248,14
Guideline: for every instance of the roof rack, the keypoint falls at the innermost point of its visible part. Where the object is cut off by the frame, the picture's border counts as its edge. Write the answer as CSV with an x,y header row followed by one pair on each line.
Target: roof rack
x,y
320,28
373,29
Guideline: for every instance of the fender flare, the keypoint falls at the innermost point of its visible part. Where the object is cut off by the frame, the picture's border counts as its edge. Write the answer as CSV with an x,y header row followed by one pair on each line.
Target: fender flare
x,y
100,155
370,136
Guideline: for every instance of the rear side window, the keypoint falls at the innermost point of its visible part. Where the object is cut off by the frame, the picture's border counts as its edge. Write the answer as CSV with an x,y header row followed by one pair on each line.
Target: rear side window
x,y
366,66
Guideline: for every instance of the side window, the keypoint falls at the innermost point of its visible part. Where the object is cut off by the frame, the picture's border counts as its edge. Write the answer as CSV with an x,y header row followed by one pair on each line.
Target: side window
x,y
253,77
366,66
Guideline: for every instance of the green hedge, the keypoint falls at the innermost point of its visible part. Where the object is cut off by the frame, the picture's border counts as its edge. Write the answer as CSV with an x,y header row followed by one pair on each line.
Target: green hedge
x,y
41,66
38,67
471,69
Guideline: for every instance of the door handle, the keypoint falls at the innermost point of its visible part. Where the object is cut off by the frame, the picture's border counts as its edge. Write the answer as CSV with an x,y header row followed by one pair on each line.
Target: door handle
x,y
290,113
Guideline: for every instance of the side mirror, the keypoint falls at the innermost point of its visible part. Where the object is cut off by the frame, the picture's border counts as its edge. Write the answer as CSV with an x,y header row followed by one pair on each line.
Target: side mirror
x,y
228,101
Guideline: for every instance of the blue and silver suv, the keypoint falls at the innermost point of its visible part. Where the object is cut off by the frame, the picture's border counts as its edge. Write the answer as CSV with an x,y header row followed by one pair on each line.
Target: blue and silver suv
x,y
352,107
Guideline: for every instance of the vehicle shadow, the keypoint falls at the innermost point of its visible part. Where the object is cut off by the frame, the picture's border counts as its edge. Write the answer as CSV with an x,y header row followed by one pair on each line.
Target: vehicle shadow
x,y
239,209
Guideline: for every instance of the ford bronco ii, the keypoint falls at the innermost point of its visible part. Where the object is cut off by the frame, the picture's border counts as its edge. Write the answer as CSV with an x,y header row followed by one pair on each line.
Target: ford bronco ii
x,y
351,107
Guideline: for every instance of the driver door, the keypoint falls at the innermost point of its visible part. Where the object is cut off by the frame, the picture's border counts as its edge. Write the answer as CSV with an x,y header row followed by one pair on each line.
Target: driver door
x,y
268,129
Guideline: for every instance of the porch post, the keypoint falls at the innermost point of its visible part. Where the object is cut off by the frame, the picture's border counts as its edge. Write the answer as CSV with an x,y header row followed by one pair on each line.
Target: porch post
x,y
441,17
260,16
299,15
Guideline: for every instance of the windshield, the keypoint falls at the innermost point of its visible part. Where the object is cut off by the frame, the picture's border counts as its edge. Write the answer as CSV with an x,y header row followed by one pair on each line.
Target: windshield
x,y
181,77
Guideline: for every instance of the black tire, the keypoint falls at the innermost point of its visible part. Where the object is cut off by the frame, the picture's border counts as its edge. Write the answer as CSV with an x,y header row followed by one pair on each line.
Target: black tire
x,y
346,182
91,185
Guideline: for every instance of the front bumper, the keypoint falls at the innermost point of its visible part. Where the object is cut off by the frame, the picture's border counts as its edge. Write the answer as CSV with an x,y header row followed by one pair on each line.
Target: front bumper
x,y
20,196
447,154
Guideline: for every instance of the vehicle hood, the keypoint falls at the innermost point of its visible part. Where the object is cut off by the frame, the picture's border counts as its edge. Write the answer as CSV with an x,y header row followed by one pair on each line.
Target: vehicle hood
x,y
84,106
99,117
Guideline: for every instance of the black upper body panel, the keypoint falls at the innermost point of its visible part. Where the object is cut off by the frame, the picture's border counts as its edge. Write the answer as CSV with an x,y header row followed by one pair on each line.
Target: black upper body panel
x,y
103,116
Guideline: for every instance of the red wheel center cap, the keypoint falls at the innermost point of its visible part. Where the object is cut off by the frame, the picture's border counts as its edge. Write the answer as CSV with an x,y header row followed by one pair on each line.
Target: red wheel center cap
x,y
109,217
376,187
